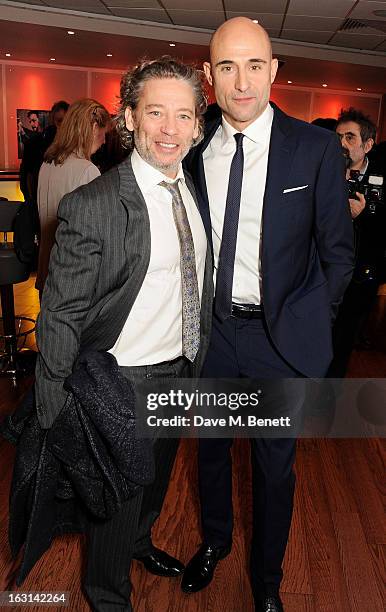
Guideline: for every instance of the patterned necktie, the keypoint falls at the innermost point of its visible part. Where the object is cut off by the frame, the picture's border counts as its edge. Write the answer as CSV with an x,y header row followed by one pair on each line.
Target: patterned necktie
x,y
226,262
189,284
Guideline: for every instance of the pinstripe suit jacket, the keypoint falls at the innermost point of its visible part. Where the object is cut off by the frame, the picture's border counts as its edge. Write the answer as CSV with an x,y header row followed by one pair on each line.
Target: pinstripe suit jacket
x,y
97,268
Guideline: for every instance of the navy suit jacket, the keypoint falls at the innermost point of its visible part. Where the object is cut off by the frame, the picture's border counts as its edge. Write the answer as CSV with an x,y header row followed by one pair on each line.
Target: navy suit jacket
x,y
307,237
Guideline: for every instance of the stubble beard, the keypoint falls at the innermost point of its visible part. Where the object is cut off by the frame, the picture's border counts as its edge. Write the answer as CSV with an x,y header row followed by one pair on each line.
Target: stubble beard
x,y
158,164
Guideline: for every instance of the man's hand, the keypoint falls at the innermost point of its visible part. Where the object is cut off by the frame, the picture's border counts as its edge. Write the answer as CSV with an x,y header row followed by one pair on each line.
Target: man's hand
x,y
357,206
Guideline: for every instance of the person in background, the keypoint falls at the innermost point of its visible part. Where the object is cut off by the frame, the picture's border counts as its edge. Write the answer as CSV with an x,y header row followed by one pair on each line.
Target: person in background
x,y
66,166
111,153
357,135
57,114
30,139
328,123
33,154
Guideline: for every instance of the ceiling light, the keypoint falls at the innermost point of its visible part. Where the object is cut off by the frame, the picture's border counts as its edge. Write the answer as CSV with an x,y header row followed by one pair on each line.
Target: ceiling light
x,y
289,82
109,55
7,55
52,59
255,20
172,45
324,85
70,32
359,88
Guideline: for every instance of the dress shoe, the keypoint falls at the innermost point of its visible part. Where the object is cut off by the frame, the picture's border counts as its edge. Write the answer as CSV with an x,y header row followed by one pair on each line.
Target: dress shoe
x,y
269,604
158,562
199,571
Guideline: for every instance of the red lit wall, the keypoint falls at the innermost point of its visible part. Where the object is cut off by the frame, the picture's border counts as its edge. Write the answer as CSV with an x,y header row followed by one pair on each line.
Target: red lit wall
x,y
293,102
2,160
38,86
105,89
329,105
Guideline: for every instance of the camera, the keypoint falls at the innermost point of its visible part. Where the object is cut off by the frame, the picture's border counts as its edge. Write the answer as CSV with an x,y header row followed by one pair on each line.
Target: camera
x,y
374,193
372,190
354,184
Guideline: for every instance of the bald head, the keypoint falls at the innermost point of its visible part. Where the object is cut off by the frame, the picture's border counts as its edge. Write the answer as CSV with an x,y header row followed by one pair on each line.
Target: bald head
x,y
241,70
237,29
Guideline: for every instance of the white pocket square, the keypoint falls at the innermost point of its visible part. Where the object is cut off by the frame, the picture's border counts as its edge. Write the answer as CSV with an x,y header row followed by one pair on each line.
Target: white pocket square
x,y
295,188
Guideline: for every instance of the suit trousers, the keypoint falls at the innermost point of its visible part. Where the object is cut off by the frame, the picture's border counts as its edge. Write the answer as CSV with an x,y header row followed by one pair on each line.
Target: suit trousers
x,y
112,544
242,348
355,308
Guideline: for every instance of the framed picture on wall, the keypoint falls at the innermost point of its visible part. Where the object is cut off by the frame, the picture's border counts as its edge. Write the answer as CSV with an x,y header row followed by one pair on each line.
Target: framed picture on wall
x,y
30,123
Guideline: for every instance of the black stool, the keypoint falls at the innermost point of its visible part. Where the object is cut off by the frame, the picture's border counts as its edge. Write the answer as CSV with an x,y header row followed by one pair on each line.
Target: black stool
x,y
14,268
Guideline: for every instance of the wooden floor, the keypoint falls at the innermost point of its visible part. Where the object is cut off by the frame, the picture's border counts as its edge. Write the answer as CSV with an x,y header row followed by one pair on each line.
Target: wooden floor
x,y
335,559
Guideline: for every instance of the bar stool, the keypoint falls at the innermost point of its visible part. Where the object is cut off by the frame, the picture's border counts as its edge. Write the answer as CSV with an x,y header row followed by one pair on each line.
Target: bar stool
x,y
15,267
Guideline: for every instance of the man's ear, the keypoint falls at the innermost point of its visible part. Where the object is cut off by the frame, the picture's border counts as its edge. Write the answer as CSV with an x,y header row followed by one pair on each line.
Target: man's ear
x,y
208,72
274,67
129,119
368,145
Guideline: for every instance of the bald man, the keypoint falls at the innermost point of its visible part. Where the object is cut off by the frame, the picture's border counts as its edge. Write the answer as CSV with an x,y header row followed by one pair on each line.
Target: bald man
x,y
272,194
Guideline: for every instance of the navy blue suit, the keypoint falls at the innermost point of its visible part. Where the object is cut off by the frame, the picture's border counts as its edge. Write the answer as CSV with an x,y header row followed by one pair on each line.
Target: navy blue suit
x,y
306,263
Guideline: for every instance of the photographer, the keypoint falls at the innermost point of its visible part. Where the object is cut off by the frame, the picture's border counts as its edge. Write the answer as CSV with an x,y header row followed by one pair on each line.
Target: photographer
x,y
357,135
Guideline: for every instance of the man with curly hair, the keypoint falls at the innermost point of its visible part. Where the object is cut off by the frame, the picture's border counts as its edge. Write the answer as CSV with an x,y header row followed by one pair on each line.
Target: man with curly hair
x,y
130,274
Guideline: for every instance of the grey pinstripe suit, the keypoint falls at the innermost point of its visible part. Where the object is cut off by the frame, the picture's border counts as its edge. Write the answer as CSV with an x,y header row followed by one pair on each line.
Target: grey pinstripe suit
x,y
97,267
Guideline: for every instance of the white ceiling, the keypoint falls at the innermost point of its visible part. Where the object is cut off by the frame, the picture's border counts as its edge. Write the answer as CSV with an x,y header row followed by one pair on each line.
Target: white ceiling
x,y
314,21
307,35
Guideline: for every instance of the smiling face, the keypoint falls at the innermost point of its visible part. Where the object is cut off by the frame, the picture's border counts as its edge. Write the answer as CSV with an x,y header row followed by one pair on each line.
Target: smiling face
x,y
241,70
164,123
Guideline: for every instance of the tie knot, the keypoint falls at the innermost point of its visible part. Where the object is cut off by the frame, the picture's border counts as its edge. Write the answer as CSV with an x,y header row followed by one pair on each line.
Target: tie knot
x,y
239,139
171,187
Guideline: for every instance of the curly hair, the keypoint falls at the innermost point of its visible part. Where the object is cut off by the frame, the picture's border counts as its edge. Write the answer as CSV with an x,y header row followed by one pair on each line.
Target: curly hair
x,y
164,67
367,127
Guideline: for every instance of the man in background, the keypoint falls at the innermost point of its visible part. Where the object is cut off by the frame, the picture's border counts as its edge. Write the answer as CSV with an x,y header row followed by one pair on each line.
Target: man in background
x,y
357,134
34,149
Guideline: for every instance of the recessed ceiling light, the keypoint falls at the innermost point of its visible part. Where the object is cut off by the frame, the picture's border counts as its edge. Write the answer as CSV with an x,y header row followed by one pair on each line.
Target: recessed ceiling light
x,y
359,88
7,55
289,82
255,20
172,44
324,85
70,32
52,59
109,55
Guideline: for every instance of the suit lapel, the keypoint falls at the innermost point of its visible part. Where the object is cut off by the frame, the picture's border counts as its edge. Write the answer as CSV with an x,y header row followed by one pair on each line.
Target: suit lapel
x,y
135,205
198,173
281,154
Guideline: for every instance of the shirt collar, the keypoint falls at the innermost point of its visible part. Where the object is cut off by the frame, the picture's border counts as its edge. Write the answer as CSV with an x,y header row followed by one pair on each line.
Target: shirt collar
x,y
363,170
149,177
257,131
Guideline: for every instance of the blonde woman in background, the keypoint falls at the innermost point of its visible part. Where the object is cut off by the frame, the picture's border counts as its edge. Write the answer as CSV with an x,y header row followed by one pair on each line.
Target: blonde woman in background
x,y
66,166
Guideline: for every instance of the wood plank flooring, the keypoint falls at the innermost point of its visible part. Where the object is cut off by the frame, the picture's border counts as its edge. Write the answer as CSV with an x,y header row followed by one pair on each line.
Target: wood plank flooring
x,y
335,559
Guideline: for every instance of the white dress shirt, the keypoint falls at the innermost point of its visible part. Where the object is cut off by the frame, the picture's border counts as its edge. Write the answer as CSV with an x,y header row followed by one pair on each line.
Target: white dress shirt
x,y
153,330
217,162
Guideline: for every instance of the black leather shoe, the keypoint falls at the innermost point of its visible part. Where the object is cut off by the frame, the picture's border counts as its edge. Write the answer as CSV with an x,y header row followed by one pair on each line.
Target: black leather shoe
x,y
199,571
269,604
158,562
